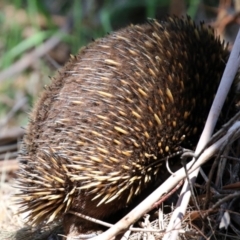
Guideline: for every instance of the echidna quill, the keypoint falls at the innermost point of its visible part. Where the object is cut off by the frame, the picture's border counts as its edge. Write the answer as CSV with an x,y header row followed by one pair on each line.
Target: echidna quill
x,y
125,101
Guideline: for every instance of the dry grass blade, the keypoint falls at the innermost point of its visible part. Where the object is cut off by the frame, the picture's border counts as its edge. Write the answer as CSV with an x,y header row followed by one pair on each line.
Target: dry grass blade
x,y
233,133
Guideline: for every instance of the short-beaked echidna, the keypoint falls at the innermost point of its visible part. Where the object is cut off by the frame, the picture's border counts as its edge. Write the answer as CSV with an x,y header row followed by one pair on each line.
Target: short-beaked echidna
x,y
125,101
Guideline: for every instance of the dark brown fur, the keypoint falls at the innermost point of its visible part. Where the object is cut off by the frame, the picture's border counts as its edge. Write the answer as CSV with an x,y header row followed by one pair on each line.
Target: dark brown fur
x,y
124,102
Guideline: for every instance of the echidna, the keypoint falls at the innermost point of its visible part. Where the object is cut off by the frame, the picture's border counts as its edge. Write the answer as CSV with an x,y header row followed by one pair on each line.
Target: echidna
x,y
123,103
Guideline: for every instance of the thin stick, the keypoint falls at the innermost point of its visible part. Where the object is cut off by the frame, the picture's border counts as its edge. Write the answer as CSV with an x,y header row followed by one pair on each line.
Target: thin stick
x,y
146,205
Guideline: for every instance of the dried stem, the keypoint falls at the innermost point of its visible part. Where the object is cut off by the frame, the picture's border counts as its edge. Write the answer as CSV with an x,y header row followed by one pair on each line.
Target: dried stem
x,y
172,181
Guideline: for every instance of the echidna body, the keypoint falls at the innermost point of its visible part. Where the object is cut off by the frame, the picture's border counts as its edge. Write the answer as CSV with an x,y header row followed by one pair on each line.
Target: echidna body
x,y
125,101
